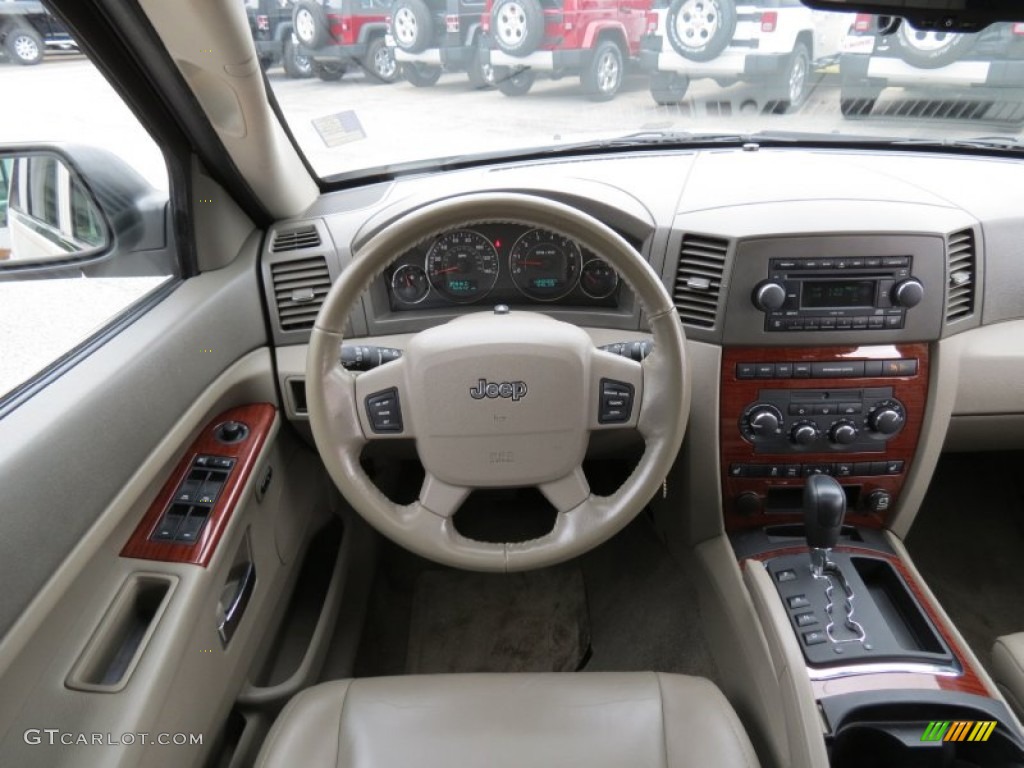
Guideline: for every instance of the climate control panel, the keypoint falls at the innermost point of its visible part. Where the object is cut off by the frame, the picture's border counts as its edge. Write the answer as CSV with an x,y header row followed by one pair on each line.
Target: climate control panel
x,y
854,412
815,420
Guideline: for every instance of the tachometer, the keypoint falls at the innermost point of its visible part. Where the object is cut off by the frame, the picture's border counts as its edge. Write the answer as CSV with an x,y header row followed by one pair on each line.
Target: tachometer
x,y
462,265
544,266
598,280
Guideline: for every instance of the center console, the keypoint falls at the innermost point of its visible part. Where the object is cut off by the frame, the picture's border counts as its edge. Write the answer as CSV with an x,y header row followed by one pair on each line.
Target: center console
x,y
824,384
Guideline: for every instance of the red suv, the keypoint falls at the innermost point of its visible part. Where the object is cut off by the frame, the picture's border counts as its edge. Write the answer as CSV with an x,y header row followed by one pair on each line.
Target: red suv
x,y
595,39
338,33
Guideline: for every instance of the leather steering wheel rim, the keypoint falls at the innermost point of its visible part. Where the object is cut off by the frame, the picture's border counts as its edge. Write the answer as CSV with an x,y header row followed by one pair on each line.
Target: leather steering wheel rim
x,y
337,398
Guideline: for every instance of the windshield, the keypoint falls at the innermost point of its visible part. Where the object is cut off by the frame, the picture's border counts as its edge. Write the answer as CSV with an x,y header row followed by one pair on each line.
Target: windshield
x,y
366,86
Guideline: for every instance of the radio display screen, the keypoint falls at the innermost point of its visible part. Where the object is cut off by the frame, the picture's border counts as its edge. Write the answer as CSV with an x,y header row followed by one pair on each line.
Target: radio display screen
x,y
837,294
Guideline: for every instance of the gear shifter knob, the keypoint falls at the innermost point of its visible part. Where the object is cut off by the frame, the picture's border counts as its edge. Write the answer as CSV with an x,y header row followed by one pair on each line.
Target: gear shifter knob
x,y
824,509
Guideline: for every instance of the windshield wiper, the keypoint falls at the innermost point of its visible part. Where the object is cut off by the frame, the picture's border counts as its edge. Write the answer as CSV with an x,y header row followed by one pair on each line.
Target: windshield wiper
x,y
976,142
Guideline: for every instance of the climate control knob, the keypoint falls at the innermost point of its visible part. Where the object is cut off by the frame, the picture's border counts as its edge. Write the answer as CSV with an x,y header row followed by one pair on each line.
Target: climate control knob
x,y
804,433
907,293
843,432
886,418
762,421
769,296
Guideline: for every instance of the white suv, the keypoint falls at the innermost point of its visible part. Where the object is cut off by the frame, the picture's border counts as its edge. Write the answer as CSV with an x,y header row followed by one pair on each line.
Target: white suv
x,y
775,42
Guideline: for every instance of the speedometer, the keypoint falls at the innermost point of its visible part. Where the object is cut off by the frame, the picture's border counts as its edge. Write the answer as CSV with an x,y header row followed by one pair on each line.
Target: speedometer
x,y
544,266
462,265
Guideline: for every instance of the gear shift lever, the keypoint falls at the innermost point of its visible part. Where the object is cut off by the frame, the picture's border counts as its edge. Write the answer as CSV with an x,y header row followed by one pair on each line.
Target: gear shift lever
x,y
824,509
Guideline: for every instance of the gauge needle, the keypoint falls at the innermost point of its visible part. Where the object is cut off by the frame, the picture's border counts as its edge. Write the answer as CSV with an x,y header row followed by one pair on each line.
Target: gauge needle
x,y
445,271
527,263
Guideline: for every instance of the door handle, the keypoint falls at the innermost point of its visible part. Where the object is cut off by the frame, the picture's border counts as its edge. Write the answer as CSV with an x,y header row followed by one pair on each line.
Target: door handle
x,y
238,589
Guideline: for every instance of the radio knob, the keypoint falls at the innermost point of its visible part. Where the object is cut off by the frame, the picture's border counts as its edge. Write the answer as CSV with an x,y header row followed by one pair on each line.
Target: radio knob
x,y
769,296
907,293
843,433
886,420
764,421
804,433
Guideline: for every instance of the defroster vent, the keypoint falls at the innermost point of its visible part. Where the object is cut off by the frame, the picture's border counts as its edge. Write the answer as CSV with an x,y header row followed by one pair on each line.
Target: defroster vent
x,y
699,279
295,239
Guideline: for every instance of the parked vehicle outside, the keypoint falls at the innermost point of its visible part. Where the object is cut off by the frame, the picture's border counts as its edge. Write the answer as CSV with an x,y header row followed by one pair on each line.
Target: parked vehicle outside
x,y
428,37
28,30
882,52
777,43
338,34
270,22
596,40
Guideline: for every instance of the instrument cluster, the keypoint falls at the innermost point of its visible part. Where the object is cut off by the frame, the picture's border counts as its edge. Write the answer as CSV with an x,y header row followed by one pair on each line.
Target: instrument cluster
x,y
500,263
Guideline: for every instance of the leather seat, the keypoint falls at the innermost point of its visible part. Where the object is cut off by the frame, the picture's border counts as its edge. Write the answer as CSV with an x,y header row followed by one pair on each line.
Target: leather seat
x,y
1008,669
626,720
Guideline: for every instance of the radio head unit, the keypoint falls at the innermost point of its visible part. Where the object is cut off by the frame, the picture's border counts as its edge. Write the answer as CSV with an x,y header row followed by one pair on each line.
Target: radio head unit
x,y
838,294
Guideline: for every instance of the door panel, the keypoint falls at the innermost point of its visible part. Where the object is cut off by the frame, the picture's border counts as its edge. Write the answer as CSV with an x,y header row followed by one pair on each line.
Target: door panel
x,y
80,464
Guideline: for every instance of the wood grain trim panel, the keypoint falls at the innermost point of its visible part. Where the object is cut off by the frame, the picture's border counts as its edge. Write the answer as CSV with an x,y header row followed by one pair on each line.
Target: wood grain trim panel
x,y
259,417
737,394
968,682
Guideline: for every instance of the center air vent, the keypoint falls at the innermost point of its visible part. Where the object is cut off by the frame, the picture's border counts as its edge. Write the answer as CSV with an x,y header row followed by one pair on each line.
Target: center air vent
x,y
699,279
295,239
299,290
960,271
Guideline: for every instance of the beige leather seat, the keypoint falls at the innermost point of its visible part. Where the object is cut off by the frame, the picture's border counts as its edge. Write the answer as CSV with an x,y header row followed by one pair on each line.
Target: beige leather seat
x,y
1008,669
591,720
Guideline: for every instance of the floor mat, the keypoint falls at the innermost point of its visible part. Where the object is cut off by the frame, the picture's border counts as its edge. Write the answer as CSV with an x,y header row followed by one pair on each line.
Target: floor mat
x,y
967,541
643,611
519,622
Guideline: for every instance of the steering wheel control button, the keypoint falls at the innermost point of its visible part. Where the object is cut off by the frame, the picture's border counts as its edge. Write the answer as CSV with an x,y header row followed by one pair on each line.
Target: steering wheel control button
x,y
616,402
384,411
232,432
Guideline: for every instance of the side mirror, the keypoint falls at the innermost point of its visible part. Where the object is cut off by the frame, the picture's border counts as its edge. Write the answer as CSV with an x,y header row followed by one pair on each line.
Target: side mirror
x,y
46,211
63,206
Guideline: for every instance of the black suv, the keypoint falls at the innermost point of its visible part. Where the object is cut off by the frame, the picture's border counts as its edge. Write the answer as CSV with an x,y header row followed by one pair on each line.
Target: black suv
x,y
270,22
882,52
27,30
432,36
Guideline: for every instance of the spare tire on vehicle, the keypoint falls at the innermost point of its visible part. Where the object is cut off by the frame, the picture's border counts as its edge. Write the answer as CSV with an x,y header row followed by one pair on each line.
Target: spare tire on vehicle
x,y
700,29
412,25
310,24
931,49
517,26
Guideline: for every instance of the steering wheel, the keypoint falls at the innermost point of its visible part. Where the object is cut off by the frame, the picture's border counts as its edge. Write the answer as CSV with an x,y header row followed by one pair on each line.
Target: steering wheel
x,y
498,398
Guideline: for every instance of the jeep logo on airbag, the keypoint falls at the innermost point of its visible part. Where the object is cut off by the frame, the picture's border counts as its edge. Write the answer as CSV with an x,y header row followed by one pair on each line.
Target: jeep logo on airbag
x,y
484,388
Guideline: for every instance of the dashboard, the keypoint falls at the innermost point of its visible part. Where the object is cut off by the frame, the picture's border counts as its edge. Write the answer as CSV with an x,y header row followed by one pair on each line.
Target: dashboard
x,y
499,263
846,312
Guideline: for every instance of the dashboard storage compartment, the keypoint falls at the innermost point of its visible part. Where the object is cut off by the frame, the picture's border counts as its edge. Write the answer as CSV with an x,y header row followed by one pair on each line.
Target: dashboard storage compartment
x,y
118,643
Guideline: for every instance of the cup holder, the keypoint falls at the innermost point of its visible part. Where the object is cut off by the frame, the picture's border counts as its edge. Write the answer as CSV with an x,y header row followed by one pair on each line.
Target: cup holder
x,y
921,729
899,745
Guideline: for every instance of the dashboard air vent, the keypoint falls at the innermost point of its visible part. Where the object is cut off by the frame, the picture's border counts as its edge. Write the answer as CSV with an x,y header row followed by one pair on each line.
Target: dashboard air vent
x,y
961,269
295,239
699,279
299,290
